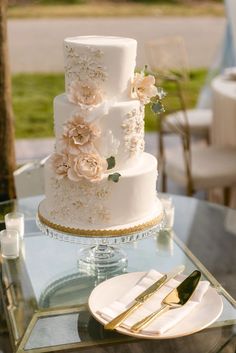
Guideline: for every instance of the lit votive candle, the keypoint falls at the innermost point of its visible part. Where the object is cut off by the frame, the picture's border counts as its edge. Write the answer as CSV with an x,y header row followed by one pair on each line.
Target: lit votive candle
x,y
15,220
9,239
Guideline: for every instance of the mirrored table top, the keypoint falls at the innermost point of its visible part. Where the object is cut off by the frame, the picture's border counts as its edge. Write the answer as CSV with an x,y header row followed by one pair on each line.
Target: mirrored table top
x,y
46,293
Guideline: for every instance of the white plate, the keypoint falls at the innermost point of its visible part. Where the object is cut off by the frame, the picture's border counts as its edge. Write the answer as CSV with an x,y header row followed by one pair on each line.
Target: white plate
x,y
105,293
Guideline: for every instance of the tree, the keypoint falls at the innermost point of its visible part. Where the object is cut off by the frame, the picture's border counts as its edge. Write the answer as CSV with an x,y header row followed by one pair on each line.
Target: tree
x,y
7,150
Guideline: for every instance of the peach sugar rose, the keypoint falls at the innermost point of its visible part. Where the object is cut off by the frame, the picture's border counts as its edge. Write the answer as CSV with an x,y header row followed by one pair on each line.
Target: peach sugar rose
x,y
60,163
143,87
79,134
86,93
88,166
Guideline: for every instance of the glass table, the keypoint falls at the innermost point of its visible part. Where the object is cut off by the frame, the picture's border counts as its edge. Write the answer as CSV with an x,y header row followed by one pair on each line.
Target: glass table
x,y
44,296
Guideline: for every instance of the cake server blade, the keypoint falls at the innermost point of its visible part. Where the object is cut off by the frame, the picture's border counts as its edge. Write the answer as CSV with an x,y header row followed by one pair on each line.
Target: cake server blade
x,y
175,299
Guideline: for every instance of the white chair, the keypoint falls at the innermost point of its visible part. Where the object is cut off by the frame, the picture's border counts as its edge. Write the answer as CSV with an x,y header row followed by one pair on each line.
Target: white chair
x,y
197,168
199,122
211,167
29,179
168,56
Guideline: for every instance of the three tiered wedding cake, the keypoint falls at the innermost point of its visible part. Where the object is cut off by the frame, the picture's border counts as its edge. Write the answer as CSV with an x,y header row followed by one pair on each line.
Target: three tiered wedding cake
x,y
100,181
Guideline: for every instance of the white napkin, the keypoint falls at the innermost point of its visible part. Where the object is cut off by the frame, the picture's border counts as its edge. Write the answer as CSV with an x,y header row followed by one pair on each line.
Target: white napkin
x,y
166,320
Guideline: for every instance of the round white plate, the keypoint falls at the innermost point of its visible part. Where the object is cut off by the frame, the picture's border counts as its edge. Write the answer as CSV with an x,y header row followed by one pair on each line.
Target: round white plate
x,y
206,313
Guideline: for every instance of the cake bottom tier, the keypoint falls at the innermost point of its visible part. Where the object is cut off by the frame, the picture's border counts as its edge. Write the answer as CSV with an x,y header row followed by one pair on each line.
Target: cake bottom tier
x,y
104,205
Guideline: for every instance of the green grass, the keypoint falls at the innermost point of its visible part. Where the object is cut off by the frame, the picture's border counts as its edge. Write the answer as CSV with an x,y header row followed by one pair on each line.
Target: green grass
x,y
33,102
115,9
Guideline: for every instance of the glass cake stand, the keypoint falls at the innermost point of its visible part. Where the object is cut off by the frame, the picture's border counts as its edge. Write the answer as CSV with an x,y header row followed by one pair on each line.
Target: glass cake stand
x,y
100,255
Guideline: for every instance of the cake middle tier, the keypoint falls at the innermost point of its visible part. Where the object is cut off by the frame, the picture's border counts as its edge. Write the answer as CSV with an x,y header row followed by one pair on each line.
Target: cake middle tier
x,y
103,204
119,128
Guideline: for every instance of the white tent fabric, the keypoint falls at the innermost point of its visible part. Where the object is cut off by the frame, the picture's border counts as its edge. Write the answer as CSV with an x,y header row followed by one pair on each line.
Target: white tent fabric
x,y
226,56
231,14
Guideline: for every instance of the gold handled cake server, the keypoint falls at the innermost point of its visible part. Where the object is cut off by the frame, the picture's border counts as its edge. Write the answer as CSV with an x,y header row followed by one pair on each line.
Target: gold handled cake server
x,y
176,298
141,298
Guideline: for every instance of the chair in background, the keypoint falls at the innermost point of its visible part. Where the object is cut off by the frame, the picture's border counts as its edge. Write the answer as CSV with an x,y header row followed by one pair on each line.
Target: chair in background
x,y
194,167
168,57
29,179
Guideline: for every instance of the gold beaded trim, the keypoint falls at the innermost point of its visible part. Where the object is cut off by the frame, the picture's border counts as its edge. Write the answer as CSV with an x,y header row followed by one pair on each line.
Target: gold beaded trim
x,y
100,232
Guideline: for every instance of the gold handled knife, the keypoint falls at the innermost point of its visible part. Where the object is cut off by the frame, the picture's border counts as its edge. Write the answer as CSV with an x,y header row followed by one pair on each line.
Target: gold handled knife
x,y
175,299
141,298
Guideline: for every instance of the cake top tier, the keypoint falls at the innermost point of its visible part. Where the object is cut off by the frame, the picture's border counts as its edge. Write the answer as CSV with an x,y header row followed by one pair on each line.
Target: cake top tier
x,y
102,40
100,66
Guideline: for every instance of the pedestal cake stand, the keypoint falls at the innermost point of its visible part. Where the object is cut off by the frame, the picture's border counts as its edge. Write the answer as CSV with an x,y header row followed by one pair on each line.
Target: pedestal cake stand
x,y
100,254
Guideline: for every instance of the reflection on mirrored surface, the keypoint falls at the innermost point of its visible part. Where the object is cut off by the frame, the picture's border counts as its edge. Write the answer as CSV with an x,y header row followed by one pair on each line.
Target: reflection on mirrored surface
x,y
71,289
54,331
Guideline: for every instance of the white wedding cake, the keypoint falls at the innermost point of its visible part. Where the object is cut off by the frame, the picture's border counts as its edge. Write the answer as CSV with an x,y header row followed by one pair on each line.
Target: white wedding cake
x,y
99,180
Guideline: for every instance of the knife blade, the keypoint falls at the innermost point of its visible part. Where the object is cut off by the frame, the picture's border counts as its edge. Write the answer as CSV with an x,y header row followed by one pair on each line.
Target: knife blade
x,y
141,298
175,299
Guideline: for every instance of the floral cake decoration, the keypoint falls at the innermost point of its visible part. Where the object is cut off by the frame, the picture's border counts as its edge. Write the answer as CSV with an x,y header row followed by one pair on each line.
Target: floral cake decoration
x,y
85,94
143,87
85,74
79,158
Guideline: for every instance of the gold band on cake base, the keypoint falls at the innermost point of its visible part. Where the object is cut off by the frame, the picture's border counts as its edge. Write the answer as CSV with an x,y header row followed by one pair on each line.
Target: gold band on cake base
x,y
101,232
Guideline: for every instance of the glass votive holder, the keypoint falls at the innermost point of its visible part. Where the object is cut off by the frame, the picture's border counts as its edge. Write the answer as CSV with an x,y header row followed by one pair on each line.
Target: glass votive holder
x,y
165,245
15,220
10,243
169,211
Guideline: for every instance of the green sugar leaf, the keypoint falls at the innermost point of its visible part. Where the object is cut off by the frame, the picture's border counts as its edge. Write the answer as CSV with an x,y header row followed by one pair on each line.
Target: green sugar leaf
x,y
114,177
158,107
111,162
